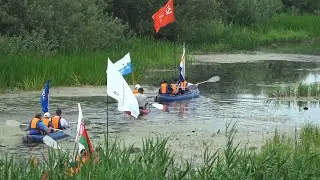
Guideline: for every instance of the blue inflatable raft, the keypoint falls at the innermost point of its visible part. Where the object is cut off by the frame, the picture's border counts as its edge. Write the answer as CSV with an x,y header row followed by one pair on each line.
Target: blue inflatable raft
x,y
39,138
171,98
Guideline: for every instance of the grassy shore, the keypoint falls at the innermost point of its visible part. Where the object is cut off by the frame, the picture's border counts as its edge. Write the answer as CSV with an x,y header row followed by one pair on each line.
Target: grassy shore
x,y
88,68
282,157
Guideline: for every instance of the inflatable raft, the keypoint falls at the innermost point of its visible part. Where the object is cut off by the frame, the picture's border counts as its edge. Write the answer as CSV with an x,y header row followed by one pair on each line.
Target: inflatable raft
x,y
39,138
171,98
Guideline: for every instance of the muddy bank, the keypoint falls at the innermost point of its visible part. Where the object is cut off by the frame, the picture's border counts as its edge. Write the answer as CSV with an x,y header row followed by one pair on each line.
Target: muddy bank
x,y
254,56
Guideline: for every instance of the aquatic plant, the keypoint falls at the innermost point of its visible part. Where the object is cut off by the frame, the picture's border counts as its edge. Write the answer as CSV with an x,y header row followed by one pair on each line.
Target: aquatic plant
x,y
284,156
292,90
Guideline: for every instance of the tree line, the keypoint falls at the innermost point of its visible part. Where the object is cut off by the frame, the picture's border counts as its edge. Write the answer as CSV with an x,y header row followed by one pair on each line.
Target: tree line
x,y
47,26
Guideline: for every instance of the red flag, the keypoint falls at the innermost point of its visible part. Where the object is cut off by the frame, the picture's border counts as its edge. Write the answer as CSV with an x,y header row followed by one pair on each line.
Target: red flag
x,y
84,142
164,16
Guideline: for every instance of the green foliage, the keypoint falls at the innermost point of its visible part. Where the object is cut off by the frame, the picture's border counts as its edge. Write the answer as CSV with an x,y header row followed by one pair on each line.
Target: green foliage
x,y
60,25
249,12
282,157
309,6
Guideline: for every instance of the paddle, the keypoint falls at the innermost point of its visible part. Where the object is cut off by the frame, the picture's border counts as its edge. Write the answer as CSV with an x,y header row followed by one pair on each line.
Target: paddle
x,y
213,79
51,143
157,105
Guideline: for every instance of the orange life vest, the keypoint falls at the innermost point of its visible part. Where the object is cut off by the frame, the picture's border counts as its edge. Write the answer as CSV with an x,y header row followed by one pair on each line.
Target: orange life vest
x,y
46,121
183,85
174,88
33,123
135,91
56,122
164,88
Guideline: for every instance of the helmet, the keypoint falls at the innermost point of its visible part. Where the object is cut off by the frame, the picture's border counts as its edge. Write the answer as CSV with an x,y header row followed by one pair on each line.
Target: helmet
x,y
46,115
137,86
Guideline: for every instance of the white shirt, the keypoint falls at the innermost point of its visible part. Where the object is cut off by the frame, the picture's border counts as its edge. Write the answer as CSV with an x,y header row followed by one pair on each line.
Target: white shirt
x,y
142,99
64,123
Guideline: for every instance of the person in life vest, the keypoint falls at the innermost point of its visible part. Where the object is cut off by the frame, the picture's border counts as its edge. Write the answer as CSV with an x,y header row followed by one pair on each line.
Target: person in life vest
x,y
186,86
175,86
58,122
136,87
165,88
142,99
36,126
46,120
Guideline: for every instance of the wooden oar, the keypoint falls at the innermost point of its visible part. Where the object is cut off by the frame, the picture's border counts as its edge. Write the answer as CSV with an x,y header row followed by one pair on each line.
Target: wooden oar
x,y
213,79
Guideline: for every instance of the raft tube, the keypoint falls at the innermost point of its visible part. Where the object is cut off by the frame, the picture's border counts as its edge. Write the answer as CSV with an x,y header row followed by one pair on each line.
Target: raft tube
x,y
171,98
39,138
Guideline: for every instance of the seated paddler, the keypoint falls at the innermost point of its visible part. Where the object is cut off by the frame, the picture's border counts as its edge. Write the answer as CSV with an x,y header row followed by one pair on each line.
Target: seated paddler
x,y
186,86
36,126
136,87
142,99
175,86
165,88
58,122
47,120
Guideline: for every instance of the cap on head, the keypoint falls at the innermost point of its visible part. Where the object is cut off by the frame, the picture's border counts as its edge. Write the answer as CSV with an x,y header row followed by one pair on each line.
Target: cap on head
x,y
46,115
137,86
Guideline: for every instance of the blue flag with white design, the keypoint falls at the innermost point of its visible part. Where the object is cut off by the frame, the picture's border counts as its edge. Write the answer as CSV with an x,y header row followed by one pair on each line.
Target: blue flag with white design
x,y
182,66
124,65
44,99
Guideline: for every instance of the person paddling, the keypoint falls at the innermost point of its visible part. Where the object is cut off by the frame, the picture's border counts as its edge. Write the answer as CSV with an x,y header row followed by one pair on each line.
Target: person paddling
x,y
47,119
142,99
58,122
36,126
136,87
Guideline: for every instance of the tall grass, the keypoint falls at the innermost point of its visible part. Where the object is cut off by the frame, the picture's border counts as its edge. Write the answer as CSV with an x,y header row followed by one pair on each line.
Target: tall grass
x,y
300,90
83,67
282,28
282,157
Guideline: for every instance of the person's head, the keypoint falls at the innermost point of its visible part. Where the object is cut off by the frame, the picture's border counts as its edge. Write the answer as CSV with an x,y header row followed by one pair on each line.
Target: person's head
x,y
140,90
137,86
58,112
46,115
37,115
164,81
175,80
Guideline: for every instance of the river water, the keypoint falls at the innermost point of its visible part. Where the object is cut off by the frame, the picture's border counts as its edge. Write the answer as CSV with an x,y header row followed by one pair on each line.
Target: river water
x,y
240,96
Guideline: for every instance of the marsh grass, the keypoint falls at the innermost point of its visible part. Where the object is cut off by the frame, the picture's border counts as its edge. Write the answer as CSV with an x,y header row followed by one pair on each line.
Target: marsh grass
x,y
82,67
292,90
285,156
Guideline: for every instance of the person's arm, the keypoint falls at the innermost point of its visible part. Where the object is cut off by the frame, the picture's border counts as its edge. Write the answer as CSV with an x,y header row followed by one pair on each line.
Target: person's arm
x,y
145,100
43,127
28,127
64,123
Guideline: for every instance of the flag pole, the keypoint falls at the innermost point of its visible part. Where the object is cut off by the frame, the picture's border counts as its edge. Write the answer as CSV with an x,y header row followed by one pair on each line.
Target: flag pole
x,y
107,136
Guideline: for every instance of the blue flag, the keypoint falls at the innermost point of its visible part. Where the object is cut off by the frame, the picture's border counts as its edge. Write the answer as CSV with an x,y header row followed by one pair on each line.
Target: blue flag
x,y
124,65
44,99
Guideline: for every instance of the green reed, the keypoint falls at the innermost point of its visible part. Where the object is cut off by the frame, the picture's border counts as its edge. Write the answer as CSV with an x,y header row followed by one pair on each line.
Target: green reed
x,y
285,156
300,90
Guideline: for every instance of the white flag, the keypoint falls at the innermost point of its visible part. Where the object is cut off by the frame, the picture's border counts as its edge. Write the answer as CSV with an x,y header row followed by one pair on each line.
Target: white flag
x,y
80,118
119,89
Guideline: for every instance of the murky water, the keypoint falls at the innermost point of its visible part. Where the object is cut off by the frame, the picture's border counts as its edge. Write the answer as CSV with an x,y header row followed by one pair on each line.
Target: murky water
x,y
239,96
